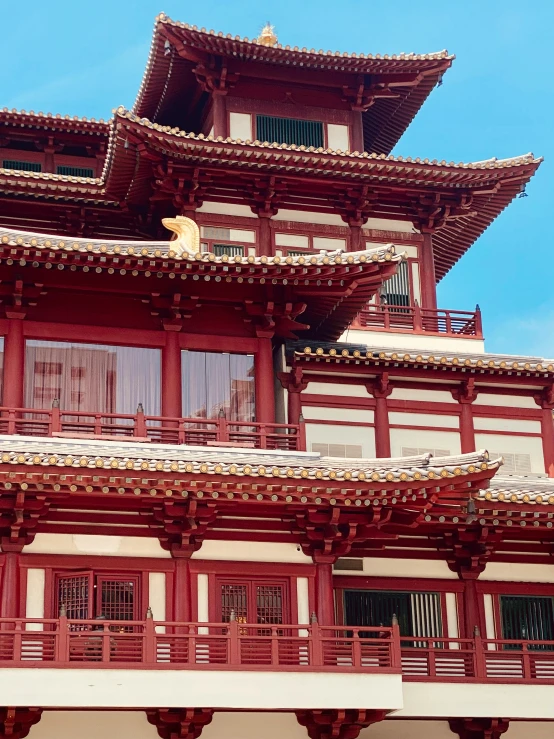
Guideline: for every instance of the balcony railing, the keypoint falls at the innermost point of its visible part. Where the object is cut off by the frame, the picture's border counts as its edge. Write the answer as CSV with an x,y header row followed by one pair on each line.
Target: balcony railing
x,y
157,429
169,645
420,321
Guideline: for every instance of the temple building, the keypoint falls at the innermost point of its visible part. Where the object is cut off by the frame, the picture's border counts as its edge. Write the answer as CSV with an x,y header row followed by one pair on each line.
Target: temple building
x,y
254,482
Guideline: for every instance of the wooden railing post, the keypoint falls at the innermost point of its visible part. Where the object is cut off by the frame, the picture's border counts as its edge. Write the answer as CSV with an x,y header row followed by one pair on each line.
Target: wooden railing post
x,y
234,644
222,427
11,421
526,661
316,644
55,418
301,444
448,322
17,638
431,658
97,424
479,652
274,647
395,647
418,320
478,323
62,642
386,317
150,646
263,436
356,649
106,642
140,422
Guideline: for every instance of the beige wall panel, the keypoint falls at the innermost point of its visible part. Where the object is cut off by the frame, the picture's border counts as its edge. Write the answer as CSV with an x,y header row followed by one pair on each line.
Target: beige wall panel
x,y
427,396
424,419
395,729
513,445
94,725
506,401
447,440
331,389
506,424
363,436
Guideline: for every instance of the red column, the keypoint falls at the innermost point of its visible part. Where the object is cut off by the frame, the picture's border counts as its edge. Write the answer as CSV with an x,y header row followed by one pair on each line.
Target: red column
x,y
547,433
467,431
182,600
14,364
380,390
9,600
472,616
356,131
325,602
265,246
294,405
171,376
265,392
220,115
355,238
428,281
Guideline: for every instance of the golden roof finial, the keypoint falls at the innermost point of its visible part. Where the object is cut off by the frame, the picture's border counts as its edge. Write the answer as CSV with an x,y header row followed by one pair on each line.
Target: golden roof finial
x,y
267,37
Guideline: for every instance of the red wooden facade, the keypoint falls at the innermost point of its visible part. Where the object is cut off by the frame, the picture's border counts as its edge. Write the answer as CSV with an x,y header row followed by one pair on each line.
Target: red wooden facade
x,y
297,244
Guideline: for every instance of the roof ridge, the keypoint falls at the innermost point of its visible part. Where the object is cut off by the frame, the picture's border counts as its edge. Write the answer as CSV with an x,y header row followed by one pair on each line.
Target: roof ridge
x,y
55,116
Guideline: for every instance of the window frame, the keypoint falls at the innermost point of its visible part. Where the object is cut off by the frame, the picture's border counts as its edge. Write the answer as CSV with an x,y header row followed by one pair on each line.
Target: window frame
x,y
96,575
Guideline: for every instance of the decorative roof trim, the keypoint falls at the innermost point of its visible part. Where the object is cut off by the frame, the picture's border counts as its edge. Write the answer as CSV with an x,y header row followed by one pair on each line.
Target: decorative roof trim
x,y
50,176
488,164
169,249
53,117
483,363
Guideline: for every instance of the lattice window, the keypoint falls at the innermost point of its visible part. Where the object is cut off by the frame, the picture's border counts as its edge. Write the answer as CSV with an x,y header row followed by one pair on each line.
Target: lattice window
x,y
22,165
74,593
396,290
514,464
74,171
526,617
289,131
117,598
346,451
234,599
269,604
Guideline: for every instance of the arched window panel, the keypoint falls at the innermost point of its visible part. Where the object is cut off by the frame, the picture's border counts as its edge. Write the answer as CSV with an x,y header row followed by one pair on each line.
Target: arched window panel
x,y
92,377
216,384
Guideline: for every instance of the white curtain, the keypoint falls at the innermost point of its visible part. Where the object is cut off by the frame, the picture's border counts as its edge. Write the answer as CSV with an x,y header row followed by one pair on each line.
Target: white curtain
x,y
215,382
92,377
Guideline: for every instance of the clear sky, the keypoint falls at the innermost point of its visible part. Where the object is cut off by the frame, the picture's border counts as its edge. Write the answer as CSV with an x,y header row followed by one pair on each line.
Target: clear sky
x,y
86,58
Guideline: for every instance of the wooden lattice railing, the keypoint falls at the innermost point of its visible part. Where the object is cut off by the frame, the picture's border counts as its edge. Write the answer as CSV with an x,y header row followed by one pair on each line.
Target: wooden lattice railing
x,y
157,429
418,320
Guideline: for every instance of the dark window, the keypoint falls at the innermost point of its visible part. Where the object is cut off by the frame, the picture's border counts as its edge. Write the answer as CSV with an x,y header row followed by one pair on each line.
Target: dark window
x,y
526,618
289,131
232,250
396,290
74,171
85,595
25,166
418,614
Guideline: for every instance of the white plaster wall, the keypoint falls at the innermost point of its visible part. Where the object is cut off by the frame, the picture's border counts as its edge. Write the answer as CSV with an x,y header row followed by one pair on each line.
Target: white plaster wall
x,y
513,445
506,424
203,598
511,572
337,137
416,282
34,602
301,216
303,598
352,415
328,434
333,389
226,725
438,345
489,616
292,240
423,419
156,595
321,242
113,546
251,551
505,401
240,234
227,209
240,126
427,396
389,567
386,224
395,729
93,725
452,615
447,440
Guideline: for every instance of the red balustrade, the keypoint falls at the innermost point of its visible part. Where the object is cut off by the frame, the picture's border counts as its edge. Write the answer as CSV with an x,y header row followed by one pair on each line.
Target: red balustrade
x,y
170,645
420,321
158,429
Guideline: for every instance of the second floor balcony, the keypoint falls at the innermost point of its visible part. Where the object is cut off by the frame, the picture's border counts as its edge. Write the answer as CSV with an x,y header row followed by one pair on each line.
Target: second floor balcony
x,y
423,321
139,427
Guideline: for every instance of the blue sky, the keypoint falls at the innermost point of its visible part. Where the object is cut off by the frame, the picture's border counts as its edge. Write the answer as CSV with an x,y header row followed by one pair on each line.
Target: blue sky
x,y
497,100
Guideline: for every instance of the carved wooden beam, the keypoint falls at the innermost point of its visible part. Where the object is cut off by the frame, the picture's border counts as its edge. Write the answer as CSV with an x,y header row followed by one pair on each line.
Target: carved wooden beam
x,y
16,723
337,723
179,723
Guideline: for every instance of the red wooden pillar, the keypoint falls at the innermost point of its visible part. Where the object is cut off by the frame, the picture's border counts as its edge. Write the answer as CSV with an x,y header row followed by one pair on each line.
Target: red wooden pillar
x,y
9,599
355,238
221,127
265,392
171,376
466,394
546,401
356,131
294,405
428,280
472,613
182,599
14,364
325,602
265,247
381,389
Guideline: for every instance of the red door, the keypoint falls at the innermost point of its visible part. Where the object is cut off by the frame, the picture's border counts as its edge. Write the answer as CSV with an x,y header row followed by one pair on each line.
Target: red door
x,y
253,601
